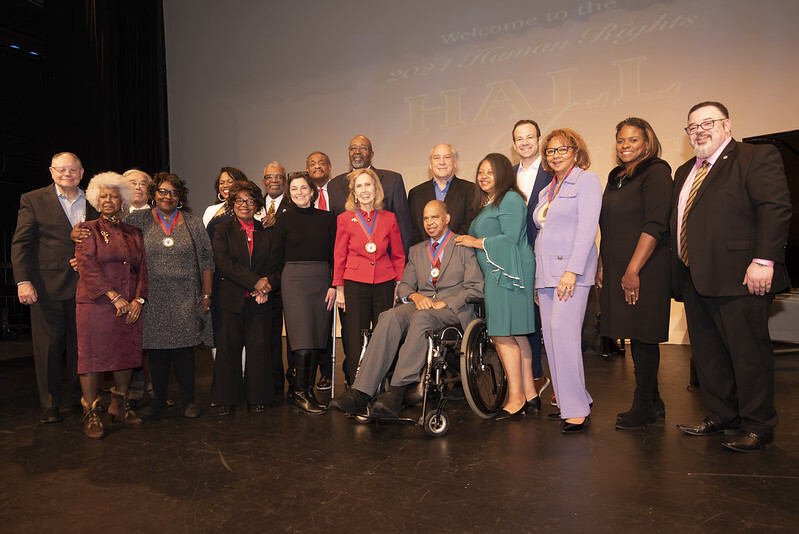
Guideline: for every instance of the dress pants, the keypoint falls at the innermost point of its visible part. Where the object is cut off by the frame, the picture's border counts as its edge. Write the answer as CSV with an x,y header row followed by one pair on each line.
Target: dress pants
x,y
275,343
382,348
734,358
364,303
55,333
235,331
535,344
562,322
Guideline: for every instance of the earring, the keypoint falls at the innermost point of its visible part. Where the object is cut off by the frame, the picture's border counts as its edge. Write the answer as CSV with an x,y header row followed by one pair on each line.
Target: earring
x,y
180,205
220,197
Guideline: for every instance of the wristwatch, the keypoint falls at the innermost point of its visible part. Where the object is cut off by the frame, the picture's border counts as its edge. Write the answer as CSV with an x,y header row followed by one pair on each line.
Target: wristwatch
x,y
140,300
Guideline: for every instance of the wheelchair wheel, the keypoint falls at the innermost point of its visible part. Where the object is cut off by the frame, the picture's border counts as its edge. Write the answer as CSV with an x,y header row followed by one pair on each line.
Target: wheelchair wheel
x,y
482,375
436,423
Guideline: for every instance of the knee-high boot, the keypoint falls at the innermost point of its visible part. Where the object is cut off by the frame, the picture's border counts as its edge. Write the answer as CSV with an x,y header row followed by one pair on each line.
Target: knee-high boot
x,y
301,396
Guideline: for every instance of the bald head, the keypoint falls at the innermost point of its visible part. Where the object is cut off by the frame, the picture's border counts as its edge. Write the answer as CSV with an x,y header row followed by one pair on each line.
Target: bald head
x,y
360,152
436,219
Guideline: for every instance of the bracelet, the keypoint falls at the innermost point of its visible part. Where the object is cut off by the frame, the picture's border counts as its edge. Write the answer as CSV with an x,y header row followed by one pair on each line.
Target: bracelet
x,y
206,297
140,300
113,300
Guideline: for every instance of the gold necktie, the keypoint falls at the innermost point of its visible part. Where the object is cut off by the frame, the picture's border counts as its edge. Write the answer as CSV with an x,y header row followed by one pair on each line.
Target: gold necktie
x,y
271,211
689,204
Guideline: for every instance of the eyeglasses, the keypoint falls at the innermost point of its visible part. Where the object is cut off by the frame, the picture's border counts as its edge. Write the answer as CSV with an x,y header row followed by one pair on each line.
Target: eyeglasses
x,y
559,150
360,148
274,176
66,170
242,201
174,193
705,125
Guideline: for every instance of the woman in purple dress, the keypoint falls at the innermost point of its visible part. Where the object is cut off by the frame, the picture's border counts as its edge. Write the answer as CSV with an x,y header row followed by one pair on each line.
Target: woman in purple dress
x,y
111,292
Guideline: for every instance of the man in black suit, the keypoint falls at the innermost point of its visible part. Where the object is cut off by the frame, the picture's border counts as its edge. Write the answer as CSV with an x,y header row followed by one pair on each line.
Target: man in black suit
x,y
275,204
729,224
531,178
457,194
40,254
360,153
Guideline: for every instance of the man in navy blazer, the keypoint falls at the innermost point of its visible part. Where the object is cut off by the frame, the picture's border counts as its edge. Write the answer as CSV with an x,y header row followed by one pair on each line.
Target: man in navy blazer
x,y
360,154
457,194
531,178
731,211
40,254
428,305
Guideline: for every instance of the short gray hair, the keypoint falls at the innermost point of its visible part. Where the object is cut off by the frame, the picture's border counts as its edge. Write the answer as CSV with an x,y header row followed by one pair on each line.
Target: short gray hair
x,y
109,180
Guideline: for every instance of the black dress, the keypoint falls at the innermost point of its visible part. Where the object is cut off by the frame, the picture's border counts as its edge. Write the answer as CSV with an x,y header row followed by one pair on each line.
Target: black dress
x,y
641,203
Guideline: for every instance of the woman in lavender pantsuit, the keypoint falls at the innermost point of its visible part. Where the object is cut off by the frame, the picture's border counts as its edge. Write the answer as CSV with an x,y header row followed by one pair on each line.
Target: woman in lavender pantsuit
x,y
567,215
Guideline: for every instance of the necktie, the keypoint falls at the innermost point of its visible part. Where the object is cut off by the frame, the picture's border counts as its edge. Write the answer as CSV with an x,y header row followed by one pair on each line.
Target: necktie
x,y
436,263
271,211
689,204
322,204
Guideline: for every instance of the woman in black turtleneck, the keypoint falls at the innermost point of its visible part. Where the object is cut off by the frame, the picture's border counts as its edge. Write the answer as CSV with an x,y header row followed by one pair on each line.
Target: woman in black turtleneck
x,y
308,298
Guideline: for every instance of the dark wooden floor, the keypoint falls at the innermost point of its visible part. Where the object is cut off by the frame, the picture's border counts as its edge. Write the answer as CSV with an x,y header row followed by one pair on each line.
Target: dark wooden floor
x,y
283,471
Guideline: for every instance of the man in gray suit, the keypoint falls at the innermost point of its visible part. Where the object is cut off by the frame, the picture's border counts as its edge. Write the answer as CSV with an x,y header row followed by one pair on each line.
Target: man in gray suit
x,y
436,283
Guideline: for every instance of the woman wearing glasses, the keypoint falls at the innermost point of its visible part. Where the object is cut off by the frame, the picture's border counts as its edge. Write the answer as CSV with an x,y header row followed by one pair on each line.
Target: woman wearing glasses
x,y
309,235
181,269
567,215
634,271
248,260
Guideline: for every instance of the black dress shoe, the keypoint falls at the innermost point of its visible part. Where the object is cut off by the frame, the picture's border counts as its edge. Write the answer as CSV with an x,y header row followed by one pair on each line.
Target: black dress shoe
x,y
705,428
223,410
573,428
533,406
554,416
387,406
351,402
505,415
748,442
256,408
51,415
323,384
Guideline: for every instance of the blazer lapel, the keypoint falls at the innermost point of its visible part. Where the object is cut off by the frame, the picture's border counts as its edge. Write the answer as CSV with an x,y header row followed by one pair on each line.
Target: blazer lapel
x,y
54,205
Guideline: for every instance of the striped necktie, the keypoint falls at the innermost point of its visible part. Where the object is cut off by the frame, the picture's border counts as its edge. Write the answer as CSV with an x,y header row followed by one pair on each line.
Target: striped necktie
x,y
689,204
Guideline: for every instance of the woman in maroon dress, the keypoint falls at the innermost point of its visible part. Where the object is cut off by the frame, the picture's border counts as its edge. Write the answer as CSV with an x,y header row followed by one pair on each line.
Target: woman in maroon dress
x,y
111,292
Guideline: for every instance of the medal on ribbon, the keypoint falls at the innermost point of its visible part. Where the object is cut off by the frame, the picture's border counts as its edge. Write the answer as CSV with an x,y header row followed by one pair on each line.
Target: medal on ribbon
x,y
167,241
436,258
370,247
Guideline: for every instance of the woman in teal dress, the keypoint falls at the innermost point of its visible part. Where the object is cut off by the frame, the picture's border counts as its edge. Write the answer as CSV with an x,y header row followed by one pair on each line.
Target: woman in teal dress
x,y
499,235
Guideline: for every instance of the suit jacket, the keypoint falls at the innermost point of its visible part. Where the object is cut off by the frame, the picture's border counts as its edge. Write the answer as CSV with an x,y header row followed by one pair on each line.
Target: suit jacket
x,y
238,272
395,200
459,201
352,262
460,277
567,242
41,247
542,178
742,211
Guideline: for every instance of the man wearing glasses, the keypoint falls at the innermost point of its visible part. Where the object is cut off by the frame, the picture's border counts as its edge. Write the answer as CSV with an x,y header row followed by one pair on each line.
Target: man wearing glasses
x,y
40,254
729,224
396,201
274,186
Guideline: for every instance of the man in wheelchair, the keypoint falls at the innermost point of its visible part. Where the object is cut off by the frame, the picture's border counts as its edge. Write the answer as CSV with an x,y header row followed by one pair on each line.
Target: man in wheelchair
x,y
436,283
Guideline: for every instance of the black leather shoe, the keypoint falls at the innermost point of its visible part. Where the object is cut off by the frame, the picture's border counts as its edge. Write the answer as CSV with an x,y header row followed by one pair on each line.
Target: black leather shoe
x,y
554,416
748,442
573,428
256,408
505,415
51,415
705,428
323,384
533,406
351,402
223,410
387,406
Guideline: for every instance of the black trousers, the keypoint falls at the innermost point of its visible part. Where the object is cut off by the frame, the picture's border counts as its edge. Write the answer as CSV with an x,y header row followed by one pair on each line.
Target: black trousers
x,y
734,358
275,343
54,334
182,360
364,303
234,332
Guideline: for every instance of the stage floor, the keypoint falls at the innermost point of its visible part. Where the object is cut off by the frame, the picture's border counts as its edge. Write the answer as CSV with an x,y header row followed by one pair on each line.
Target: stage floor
x,y
283,471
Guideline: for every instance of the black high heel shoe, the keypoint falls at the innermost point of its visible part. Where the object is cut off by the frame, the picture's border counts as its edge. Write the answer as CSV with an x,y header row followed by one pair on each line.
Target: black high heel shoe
x,y
504,414
533,405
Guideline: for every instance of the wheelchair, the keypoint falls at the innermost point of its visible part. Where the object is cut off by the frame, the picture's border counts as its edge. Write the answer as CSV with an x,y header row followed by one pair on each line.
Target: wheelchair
x,y
454,357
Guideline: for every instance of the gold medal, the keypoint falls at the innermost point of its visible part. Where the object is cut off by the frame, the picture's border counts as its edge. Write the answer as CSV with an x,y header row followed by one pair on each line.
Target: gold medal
x,y
434,272
370,247
168,241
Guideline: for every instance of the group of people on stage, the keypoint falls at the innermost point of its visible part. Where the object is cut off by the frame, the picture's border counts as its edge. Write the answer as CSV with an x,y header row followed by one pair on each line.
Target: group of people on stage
x,y
148,274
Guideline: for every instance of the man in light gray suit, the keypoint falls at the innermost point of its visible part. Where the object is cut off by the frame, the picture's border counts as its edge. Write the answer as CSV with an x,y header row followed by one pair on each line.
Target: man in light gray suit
x,y
436,283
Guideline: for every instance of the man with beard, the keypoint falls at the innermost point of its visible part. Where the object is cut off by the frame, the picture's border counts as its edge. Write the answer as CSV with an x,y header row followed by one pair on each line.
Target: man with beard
x,y
457,194
729,224
360,154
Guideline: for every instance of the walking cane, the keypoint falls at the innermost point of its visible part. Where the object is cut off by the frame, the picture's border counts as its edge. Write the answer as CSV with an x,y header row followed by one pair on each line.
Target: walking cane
x,y
333,357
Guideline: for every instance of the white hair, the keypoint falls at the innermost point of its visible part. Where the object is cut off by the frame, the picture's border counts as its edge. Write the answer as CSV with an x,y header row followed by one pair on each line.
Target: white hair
x,y
109,180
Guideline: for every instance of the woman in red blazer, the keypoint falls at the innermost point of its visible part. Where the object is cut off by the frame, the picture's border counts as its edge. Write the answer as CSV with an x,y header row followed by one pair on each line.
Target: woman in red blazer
x,y
368,261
